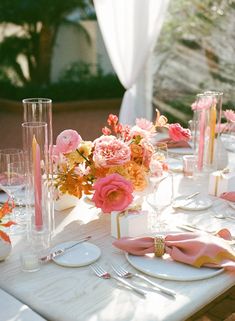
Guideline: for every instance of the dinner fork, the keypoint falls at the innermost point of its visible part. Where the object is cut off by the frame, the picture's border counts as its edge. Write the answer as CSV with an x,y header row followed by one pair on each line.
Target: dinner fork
x,y
126,274
101,273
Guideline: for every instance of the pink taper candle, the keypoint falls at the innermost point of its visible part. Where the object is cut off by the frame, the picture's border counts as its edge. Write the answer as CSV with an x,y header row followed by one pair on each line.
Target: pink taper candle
x,y
201,140
37,184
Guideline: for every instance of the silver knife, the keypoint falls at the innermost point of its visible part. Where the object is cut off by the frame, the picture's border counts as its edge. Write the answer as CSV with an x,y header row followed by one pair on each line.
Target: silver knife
x,y
50,256
185,201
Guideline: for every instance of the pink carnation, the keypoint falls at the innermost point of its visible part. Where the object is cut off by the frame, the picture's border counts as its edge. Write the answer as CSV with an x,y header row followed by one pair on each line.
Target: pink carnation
x,y
203,103
110,151
177,133
229,114
112,193
67,141
144,124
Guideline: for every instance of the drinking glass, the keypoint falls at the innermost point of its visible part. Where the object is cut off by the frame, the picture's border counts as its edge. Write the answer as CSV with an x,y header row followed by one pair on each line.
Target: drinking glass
x,y
12,179
154,199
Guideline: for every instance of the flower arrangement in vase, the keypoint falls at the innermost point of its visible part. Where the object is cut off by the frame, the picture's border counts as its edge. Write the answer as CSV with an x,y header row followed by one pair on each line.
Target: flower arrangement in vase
x,y
112,168
5,242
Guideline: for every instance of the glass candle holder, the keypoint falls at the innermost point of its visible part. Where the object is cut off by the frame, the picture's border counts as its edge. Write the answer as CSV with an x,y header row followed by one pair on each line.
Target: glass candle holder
x,y
189,164
40,110
207,117
38,182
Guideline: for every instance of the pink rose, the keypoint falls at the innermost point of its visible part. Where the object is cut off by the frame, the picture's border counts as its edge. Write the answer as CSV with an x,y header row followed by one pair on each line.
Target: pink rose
x,y
112,193
110,151
67,141
177,133
229,114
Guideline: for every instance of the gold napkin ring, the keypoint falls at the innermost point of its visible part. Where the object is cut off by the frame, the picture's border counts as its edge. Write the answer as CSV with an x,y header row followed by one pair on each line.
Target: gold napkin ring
x,y
159,246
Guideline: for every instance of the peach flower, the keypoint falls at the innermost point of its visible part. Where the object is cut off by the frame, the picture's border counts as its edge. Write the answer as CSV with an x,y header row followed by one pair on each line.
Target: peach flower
x,y
177,132
112,193
67,141
110,151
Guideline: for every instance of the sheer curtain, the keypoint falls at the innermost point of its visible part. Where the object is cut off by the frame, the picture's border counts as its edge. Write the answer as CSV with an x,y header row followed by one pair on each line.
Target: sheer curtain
x,y
130,29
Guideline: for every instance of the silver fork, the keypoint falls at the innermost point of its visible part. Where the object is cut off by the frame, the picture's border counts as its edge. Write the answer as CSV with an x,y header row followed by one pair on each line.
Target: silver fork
x,y
101,273
126,274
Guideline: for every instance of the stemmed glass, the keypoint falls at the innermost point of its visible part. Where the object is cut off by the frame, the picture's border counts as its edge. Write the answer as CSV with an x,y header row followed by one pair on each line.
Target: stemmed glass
x,y
12,178
160,196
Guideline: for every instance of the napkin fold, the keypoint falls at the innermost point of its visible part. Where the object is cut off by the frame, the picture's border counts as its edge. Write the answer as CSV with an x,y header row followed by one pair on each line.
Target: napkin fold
x,y
175,144
196,249
228,196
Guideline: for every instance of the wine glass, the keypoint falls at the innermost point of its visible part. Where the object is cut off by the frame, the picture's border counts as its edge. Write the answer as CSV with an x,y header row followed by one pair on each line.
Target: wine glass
x,y
157,176
12,178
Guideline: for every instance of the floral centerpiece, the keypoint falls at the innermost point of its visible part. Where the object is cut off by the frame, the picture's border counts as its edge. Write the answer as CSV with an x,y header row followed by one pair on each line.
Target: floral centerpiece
x,y
5,242
111,168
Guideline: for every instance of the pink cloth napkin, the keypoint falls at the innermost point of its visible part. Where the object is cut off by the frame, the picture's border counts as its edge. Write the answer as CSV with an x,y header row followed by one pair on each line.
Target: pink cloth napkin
x,y
228,196
197,249
173,144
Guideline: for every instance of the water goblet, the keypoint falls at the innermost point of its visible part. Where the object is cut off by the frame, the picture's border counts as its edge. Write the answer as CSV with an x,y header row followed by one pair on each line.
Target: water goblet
x,y
12,178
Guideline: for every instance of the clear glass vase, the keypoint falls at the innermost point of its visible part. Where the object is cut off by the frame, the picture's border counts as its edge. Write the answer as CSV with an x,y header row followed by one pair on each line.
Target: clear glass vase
x,y
207,117
40,110
38,183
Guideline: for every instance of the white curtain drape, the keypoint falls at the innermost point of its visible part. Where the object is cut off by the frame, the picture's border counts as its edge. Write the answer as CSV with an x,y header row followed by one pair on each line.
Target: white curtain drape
x,y
130,29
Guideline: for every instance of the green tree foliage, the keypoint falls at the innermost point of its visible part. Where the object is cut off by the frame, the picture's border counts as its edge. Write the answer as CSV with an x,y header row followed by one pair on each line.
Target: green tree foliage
x,y
39,22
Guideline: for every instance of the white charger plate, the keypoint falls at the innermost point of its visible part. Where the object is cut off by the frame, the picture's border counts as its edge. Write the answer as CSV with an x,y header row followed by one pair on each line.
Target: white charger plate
x,y
167,269
198,203
80,255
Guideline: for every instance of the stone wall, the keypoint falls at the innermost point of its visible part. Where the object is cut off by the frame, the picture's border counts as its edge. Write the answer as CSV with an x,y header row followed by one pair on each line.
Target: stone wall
x,y
189,67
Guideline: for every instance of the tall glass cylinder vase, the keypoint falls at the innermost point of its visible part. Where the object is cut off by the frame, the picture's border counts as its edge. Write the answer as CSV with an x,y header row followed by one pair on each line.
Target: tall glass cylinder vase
x,y
40,110
38,182
207,117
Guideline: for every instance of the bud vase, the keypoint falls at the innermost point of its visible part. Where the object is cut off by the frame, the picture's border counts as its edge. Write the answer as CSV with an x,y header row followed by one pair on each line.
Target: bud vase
x,y
207,116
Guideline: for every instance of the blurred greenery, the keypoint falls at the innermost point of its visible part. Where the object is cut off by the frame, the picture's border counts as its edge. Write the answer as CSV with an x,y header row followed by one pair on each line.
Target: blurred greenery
x,y
72,85
38,23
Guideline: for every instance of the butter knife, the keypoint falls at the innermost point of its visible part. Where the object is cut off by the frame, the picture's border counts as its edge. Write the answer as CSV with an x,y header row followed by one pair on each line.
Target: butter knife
x,y
185,201
49,257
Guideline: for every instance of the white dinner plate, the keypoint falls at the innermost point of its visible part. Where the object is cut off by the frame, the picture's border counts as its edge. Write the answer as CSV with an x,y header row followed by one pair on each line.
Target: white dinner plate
x,y
198,203
231,204
229,141
80,255
166,268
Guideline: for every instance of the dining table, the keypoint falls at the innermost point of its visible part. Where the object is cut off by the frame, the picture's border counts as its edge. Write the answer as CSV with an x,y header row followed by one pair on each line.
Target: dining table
x,y
64,293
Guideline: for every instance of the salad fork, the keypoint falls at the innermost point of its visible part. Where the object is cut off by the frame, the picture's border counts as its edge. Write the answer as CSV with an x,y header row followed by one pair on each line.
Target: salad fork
x,y
101,273
120,271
